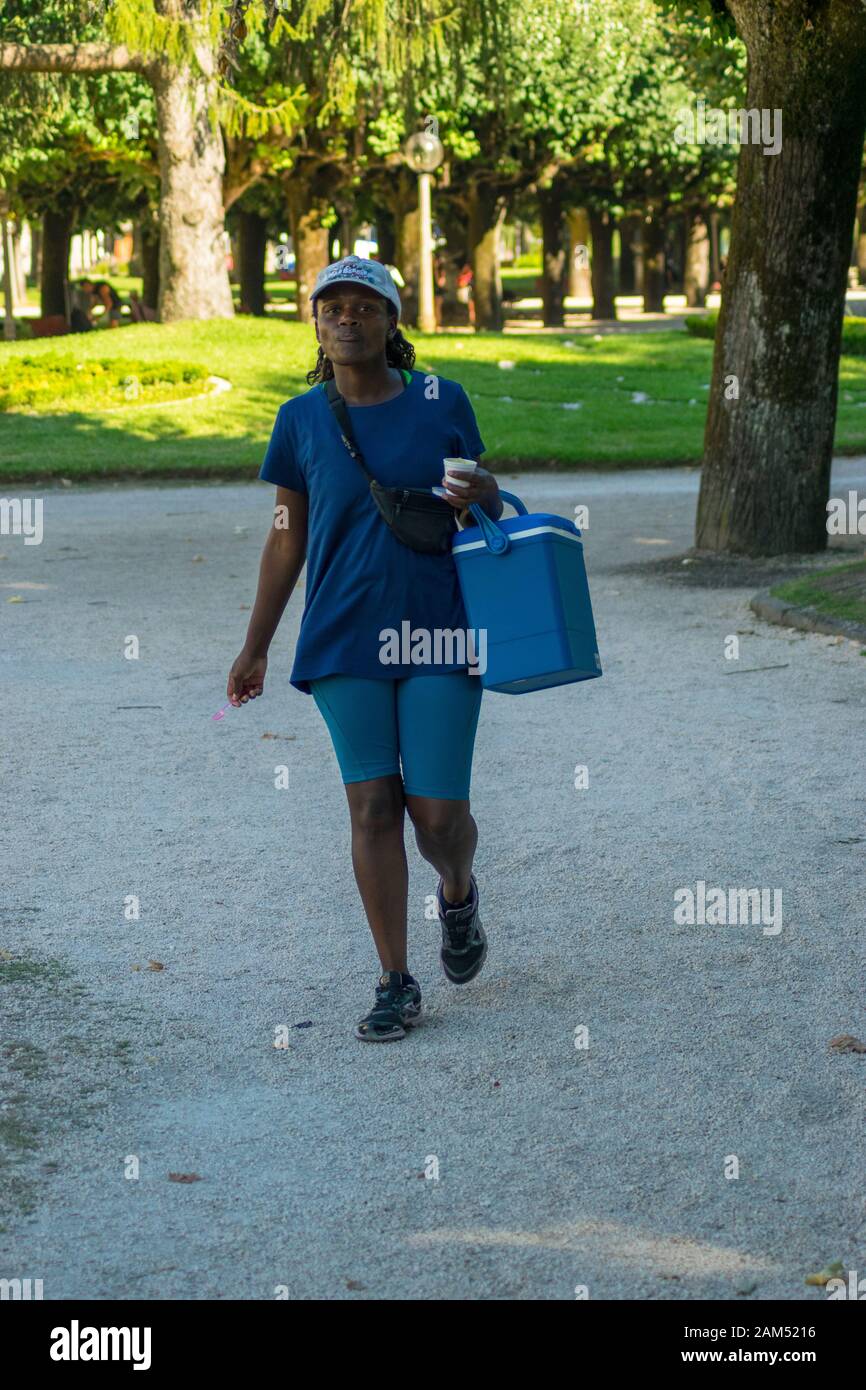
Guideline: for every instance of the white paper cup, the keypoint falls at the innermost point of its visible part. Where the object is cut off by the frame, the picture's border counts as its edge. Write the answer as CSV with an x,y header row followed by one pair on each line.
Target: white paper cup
x,y
454,467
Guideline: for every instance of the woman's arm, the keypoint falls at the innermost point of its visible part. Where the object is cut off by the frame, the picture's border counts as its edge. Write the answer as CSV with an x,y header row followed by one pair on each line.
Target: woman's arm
x,y
283,559
491,502
482,488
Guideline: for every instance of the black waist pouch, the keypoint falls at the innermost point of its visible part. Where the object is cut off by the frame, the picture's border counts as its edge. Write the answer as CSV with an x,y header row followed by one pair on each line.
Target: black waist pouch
x,y
417,518
414,515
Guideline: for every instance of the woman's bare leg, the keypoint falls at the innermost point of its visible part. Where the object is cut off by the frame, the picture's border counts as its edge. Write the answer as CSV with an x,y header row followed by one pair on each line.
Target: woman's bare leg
x,y
446,835
376,808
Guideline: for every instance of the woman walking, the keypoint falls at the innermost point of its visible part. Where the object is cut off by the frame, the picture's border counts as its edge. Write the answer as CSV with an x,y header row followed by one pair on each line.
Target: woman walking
x,y
403,730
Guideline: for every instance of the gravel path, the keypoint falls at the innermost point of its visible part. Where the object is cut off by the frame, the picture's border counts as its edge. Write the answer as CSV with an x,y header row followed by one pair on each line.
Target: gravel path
x,y
558,1166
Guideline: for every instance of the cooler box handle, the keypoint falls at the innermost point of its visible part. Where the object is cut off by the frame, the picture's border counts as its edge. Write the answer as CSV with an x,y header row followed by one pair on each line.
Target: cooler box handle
x,y
496,539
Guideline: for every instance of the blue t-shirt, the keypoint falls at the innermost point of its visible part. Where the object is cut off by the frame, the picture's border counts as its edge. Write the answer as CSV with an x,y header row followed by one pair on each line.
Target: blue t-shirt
x,y
361,580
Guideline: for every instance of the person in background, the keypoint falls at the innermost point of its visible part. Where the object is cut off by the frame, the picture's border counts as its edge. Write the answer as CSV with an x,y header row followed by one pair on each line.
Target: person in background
x,y
464,290
716,286
81,309
439,287
112,304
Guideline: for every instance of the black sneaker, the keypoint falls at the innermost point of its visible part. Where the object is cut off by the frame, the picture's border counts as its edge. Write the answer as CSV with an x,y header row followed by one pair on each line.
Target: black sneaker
x,y
398,1005
464,945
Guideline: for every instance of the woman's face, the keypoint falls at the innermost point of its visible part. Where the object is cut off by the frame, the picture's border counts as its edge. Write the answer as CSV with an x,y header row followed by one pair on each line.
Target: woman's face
x,y
353,324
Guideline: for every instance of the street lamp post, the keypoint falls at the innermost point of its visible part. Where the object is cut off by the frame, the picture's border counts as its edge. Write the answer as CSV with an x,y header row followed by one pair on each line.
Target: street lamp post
x,y
424,152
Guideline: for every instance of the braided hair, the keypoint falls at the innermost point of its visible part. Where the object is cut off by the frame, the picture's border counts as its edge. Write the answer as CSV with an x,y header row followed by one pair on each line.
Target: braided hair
x,y
398,353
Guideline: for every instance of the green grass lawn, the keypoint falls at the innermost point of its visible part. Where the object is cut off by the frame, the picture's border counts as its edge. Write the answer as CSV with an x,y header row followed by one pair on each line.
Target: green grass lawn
x,y
839,592
520,282
523,411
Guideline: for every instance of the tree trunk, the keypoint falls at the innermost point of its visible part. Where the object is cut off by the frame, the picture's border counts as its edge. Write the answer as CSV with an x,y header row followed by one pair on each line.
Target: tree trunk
x,y
252,240
676,231
715,257
654,263
8,305
386,241
135,258
35,254
455,314
399,242
603,303
639,250
309,238
861,243
409,260
452,221
697,266
767,454
19,283
56,235
234,237
194,281
149,265
193,276
629,245
554,256
487,210
579,278
348,233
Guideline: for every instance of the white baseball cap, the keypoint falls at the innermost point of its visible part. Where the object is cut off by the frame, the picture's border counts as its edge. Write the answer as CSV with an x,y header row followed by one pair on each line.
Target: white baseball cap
x,y
361,272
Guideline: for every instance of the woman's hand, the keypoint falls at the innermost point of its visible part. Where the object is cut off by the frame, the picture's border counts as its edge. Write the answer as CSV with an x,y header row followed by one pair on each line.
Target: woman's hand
x,y
246,678
481,487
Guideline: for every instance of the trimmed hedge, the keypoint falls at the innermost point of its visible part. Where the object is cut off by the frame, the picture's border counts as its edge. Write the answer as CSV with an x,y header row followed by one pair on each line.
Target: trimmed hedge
x,y
52,385
703,327
853,332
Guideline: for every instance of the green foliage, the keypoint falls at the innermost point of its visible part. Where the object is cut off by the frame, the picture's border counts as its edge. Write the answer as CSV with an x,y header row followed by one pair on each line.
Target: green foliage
x,y
588,96
521,89
529,260
139,25
241,117
85,143
703,327
524,92
853,332
853,336
395,35
60,383
348,48
713,16
31,104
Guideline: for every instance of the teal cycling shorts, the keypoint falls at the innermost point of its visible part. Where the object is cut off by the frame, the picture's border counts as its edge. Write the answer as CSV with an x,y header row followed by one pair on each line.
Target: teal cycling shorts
x,y
427,723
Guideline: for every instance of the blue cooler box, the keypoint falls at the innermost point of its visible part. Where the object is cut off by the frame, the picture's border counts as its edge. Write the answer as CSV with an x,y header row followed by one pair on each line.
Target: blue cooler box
x,y
524,581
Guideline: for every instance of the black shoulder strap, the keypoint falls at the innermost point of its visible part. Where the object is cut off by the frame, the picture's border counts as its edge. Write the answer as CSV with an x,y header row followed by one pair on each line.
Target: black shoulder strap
x,y
341,415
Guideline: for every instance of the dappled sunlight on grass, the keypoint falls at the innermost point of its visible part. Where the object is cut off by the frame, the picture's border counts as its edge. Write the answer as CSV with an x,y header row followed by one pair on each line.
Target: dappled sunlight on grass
x,y
622,400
